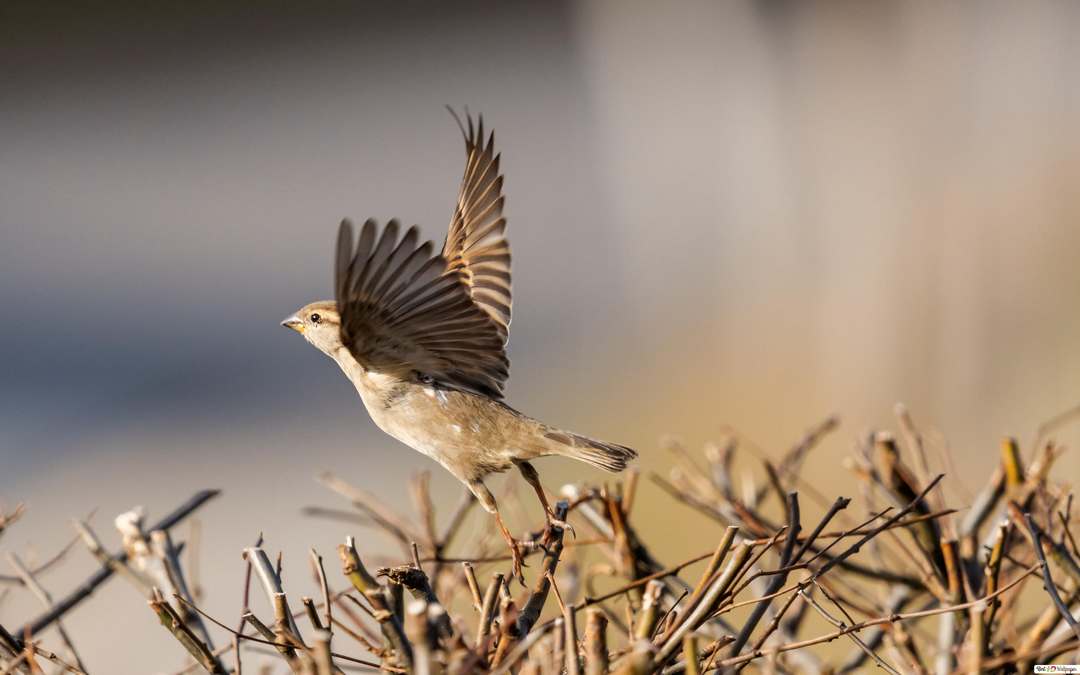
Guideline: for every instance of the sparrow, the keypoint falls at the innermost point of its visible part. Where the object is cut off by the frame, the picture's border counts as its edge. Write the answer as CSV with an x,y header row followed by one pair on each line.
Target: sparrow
x,y
422,333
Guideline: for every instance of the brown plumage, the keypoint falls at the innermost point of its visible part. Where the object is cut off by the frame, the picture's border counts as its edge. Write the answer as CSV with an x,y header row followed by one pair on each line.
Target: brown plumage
x,y
403,310
422,336
476,244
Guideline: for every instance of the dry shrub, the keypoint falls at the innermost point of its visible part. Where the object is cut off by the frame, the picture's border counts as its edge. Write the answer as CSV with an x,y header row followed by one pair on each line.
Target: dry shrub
x,y
773,588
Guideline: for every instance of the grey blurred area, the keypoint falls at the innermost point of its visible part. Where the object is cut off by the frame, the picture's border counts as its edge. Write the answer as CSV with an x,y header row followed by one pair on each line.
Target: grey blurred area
x,y
724,215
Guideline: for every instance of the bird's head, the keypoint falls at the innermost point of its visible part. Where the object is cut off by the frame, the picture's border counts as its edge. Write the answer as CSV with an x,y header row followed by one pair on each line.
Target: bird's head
x,y
319,323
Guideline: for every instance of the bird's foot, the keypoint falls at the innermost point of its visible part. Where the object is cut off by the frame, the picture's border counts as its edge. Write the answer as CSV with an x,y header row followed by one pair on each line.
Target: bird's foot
x,y
518,561
553,523
538,541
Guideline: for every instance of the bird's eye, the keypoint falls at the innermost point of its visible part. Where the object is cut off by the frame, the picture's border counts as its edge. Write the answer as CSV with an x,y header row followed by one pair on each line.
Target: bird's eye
x,y
315,318
425,378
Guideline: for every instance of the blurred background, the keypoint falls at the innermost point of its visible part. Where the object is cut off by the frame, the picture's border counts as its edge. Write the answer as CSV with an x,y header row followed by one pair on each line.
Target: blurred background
x,y
724,215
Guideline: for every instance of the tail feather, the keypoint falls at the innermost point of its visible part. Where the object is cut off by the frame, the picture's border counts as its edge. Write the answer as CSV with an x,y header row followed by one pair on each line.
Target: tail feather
x,y
608,456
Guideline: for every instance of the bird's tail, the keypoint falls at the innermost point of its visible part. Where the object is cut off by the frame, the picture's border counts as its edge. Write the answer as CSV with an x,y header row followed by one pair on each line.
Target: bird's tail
x,y
607,456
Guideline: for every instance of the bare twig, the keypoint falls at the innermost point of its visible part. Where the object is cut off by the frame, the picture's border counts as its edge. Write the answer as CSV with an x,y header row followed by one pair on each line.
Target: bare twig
x,y
87,587
192,643
488,607
324,586
777,581
530,612
1048,580
879,621
596,650
379,598
46,600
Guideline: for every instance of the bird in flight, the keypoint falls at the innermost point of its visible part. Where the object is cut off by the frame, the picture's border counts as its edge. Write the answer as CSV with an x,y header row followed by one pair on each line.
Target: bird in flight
x,y
422,336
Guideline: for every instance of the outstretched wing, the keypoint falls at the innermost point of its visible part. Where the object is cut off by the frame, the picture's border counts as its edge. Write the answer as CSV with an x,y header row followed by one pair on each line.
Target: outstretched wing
x,y
404,311
476,244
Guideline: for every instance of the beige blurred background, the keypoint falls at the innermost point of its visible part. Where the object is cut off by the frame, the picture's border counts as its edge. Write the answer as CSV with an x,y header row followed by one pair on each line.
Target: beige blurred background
x,y
744,215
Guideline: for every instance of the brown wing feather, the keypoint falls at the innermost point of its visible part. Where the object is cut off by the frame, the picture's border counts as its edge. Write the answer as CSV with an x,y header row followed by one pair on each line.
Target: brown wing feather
x,y
476,243
404,309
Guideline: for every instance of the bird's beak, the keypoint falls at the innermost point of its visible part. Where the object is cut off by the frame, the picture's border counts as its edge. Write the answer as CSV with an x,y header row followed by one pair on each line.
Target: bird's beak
x,y
295,323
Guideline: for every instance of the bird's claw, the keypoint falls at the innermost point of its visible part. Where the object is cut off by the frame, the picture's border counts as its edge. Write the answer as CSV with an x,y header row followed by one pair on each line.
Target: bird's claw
x,y
518,562
547,537
554,522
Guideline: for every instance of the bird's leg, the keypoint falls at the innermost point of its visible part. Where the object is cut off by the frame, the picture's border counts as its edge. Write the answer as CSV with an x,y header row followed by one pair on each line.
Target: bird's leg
x,y
515,550
528,472
487,500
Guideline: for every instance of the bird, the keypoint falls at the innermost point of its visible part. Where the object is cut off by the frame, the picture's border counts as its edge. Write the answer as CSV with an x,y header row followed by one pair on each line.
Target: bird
x,y
422,334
